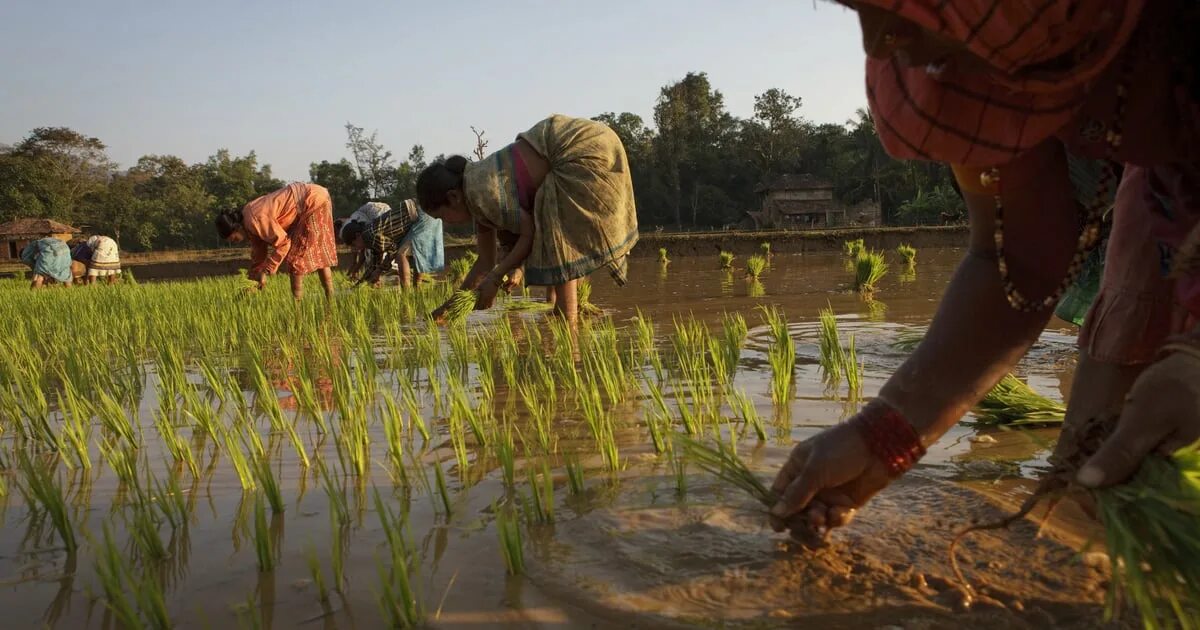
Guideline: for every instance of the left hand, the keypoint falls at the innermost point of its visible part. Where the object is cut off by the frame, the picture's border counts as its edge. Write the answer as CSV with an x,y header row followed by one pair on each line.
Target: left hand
x,y
486,293
1161,414
515,278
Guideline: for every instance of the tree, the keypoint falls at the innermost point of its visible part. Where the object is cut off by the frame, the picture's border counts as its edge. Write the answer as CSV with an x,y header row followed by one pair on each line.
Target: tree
x,y
406,174
374,162
62,166
346,189
233,181
481,144
775,136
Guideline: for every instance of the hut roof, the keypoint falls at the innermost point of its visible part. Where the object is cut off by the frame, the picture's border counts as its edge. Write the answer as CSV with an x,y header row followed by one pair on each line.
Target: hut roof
x,y
34,227
795,181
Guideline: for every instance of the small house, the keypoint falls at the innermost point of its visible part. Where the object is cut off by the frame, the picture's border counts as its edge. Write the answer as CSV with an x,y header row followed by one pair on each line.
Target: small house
x,y
799,201
15,235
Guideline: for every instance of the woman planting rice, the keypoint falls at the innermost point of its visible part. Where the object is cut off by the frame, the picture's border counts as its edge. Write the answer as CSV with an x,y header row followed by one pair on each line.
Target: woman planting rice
x,y
366,214
389,239
296,222
102,258
50,260
563,188
1010,94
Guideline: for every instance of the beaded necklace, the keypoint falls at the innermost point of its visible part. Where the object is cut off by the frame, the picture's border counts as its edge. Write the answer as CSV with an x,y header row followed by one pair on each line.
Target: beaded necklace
x,y
1089,237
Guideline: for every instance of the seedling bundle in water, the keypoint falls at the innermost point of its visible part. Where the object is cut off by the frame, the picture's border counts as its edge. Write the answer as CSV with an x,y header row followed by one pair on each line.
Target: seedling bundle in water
x,y
1012,402
722,461
460,306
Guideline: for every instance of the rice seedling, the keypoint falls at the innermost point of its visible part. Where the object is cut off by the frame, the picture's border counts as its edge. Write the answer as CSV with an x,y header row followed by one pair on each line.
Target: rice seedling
x,y
679,472
505,451
575,476
114,577
744,408
726,259
339,510
40,488
733,336
461,304
869,269
908,340
764,248
830,345
722,461
314,570
755,289
853,370
908,255
398,597
541,495
854,248
337,551
458,268
662,256
541,415
583,298
512,548
237,457
263,551
755,265
443,491
781,355
177,446
264,478
1012,402
76,430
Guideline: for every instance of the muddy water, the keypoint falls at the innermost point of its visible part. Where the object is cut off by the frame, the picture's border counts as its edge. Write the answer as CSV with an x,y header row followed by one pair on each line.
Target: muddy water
x,y
629,551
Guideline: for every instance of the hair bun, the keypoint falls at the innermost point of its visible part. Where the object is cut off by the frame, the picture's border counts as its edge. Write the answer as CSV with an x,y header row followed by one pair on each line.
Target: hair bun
x,y
456,164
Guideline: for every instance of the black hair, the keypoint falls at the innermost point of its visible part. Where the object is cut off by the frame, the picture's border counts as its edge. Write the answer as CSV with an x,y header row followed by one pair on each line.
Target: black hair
x,y
352,230
438,179
228,222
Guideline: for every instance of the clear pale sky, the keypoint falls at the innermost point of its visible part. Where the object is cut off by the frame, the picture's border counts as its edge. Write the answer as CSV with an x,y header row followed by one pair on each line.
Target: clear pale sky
x,y
188,77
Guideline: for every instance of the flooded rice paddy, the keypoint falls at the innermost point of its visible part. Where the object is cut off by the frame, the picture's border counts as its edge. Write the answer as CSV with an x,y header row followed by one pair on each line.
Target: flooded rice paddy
x,y
256,463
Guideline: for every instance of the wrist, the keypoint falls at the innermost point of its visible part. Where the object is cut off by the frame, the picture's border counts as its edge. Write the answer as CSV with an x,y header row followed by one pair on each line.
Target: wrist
x,y
890,437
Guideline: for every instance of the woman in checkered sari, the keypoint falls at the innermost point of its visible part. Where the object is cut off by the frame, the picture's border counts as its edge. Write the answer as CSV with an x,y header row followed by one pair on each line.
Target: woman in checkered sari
x,y
1011,95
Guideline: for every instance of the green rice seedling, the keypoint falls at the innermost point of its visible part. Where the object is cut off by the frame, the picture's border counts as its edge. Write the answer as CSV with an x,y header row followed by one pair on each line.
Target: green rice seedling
x,y
115,575
679,472
169,499
339,510
755,289
179,448
755,265
744,408
461,304
393,431
541,495
123,462
583,297
314,570
908,255
237,457
722,461
512,547
76,430
575,476
854,248
781,354
853,370
443,491
40,488
409,400
398,598
263,551
832,356
505,451
541,415
143,532
869,269
662,256
726,259
339,538
264,478
733,336
115,420
1012,402
289,429
764,248
458,269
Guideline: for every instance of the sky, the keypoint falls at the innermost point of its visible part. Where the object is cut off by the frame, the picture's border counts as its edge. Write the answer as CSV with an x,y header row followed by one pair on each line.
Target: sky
x,y
188,77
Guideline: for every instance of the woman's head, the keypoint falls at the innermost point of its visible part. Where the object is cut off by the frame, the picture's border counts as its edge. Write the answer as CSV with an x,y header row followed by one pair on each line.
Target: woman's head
x,y
351,234
440,190
229,226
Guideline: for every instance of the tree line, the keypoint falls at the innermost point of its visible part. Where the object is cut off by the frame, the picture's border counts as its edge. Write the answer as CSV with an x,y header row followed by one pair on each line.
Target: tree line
x,y
694,166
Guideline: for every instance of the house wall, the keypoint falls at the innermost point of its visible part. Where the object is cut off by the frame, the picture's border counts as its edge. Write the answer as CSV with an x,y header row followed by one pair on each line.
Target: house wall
x,y
10,248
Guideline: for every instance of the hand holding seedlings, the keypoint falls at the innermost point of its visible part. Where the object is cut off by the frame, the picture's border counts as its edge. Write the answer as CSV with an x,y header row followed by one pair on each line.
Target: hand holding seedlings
x,y
1161,415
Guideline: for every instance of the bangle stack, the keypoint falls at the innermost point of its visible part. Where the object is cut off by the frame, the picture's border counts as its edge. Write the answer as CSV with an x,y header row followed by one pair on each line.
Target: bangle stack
x,y
890,438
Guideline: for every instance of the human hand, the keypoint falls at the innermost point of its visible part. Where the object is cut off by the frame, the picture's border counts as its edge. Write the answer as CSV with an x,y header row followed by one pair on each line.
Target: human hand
x,y
825,480
1161,414
515,278
439,314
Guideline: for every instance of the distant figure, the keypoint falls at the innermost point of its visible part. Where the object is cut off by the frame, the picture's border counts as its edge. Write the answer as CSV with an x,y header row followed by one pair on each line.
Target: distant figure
x,y
101,259
365,215
569,177
392,237
296,222
50,260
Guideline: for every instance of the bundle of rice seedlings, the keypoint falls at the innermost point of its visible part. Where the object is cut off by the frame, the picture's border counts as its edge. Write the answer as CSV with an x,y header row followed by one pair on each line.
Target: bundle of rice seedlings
x,y
459,306
726,259
1149,528
830,343
755,266
458,269
764,248
722,462
908,340
854,248
908,255
583,294
1012,402
662,256
869,269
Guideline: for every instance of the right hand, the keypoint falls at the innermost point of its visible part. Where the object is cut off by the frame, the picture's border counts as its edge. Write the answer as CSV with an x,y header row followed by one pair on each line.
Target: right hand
x,y
825,480
439,314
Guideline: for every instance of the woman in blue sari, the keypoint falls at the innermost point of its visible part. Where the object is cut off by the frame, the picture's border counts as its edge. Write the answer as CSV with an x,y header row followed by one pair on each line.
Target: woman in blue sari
x,y
50,260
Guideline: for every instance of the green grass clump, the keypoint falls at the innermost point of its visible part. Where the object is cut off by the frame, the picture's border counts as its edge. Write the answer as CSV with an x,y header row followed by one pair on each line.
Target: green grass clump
x,y
461,304
869,269
662,256
1012,402
908,255
854,248
755,266
458,268
726,259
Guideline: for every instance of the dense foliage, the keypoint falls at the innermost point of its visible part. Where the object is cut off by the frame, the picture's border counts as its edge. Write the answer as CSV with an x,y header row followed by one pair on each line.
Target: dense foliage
x,y
696,166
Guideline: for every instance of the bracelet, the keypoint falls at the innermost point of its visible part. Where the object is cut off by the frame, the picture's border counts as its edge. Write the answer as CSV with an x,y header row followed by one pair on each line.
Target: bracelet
x,y
890,438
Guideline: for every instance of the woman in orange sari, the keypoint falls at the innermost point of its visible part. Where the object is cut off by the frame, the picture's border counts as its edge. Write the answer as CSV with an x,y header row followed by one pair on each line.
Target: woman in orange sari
x,y
296,224
1013,96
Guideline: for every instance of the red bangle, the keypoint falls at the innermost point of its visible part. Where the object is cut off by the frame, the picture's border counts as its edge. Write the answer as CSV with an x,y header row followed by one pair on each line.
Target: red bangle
x,y
890,438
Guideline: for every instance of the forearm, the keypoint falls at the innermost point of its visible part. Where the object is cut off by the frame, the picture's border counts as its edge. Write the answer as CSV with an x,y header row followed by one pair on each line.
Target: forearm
x,y
514,258
974,340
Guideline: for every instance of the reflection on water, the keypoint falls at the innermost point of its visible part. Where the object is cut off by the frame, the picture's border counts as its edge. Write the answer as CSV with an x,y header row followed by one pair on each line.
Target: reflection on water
x,y
624,543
